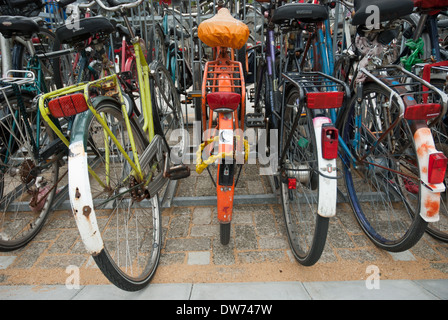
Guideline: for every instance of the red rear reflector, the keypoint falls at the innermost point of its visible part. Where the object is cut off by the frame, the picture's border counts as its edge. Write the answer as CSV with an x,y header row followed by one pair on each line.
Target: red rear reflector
x,y
292,183
68,106
330,137
324,100
437,168
422,111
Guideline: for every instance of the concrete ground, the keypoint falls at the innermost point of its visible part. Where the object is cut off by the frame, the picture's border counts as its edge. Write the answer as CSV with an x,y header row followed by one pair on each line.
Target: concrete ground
x,y
256,264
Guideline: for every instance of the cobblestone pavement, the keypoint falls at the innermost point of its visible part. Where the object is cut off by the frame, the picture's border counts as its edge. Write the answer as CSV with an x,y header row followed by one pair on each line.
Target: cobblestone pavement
x,y
258,250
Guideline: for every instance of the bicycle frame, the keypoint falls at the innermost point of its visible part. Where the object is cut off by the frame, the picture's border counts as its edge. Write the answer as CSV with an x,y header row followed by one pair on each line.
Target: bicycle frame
x,y
223,80
87,224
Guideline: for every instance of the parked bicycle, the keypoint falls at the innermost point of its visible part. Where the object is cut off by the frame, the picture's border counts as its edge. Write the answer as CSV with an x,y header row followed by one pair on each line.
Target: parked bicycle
x,y
393,171
223,96
31,157
118,162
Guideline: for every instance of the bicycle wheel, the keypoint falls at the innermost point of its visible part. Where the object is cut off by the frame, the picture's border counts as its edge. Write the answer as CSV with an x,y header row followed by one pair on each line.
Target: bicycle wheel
x,y
439,230
156,44
307,231
28,184
383,194
130,223
166,103
64,68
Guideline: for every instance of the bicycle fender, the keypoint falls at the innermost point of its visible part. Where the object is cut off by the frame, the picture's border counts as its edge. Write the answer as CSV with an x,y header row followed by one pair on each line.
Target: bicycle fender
x,y
80,194
327,187
429,193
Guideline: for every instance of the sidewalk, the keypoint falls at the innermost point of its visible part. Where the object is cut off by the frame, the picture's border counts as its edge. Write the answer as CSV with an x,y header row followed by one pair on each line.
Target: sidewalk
x,y
347,290
257,263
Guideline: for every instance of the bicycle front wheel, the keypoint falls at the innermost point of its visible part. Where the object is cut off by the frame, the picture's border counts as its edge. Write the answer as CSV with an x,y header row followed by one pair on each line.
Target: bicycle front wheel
x,y
384,188
307,231
129,221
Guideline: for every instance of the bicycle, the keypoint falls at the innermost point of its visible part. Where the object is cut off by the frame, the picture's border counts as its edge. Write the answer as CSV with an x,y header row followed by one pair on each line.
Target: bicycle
x,y
175,43
223,92
425,56
386,143
118,162
295,100
31,157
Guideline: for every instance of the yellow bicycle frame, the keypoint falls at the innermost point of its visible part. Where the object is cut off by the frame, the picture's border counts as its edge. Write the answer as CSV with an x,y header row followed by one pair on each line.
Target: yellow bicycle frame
x,y
143,72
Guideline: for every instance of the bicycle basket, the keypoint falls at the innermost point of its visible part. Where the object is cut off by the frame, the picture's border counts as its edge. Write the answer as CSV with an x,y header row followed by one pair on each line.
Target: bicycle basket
x,y
24,8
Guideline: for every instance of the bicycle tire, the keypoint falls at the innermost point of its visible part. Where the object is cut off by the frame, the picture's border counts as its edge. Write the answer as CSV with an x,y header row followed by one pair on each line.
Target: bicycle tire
x,y
169,116
156,44
307,231
131,228
27,185
224,233
392,224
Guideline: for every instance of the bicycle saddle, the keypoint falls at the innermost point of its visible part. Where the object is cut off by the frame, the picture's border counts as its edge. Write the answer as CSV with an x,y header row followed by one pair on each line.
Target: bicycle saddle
x,y
223,30
83,29
304,12
223,101
389,10
17,26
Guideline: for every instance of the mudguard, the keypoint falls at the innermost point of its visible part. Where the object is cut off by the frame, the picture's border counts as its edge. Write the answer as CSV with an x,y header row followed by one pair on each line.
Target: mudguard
x,y
80,194
327,168
429,193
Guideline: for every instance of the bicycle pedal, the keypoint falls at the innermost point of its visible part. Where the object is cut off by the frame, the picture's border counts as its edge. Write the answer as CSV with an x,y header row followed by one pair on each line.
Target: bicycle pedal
x,y
177,172
255,120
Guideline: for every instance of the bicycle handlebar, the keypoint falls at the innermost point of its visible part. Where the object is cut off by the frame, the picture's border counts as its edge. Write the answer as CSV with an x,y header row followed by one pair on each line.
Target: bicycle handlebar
x,y
114,6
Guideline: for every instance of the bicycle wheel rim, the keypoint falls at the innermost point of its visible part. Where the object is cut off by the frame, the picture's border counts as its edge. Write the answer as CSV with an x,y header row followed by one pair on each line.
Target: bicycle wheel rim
x,y
307,231
167,107
385,203
129,221
27,186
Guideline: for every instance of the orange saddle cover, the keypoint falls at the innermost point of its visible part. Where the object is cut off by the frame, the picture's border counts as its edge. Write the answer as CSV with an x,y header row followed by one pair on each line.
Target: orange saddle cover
x,y
223,30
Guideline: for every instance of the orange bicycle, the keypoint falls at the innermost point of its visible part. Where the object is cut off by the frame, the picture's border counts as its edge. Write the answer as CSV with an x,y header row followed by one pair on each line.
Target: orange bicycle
x,y
223,102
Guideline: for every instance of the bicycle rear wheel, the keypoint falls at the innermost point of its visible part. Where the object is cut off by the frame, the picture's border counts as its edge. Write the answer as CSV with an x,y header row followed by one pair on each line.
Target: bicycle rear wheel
x,y
307,231
384,189
129,221
27,184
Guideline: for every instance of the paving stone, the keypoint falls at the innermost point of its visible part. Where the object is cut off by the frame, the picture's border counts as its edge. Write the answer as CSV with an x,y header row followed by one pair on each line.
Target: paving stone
x,y
202,215
210,230
199,258
171,258
261,256
30,255
278,242
179,226
245,237
223,255
402,256
61,262
174,245
6,261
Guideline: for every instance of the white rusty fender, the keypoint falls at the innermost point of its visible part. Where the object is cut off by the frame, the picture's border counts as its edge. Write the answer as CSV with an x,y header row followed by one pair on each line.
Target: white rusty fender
x,y
430,193
327,187
81,199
